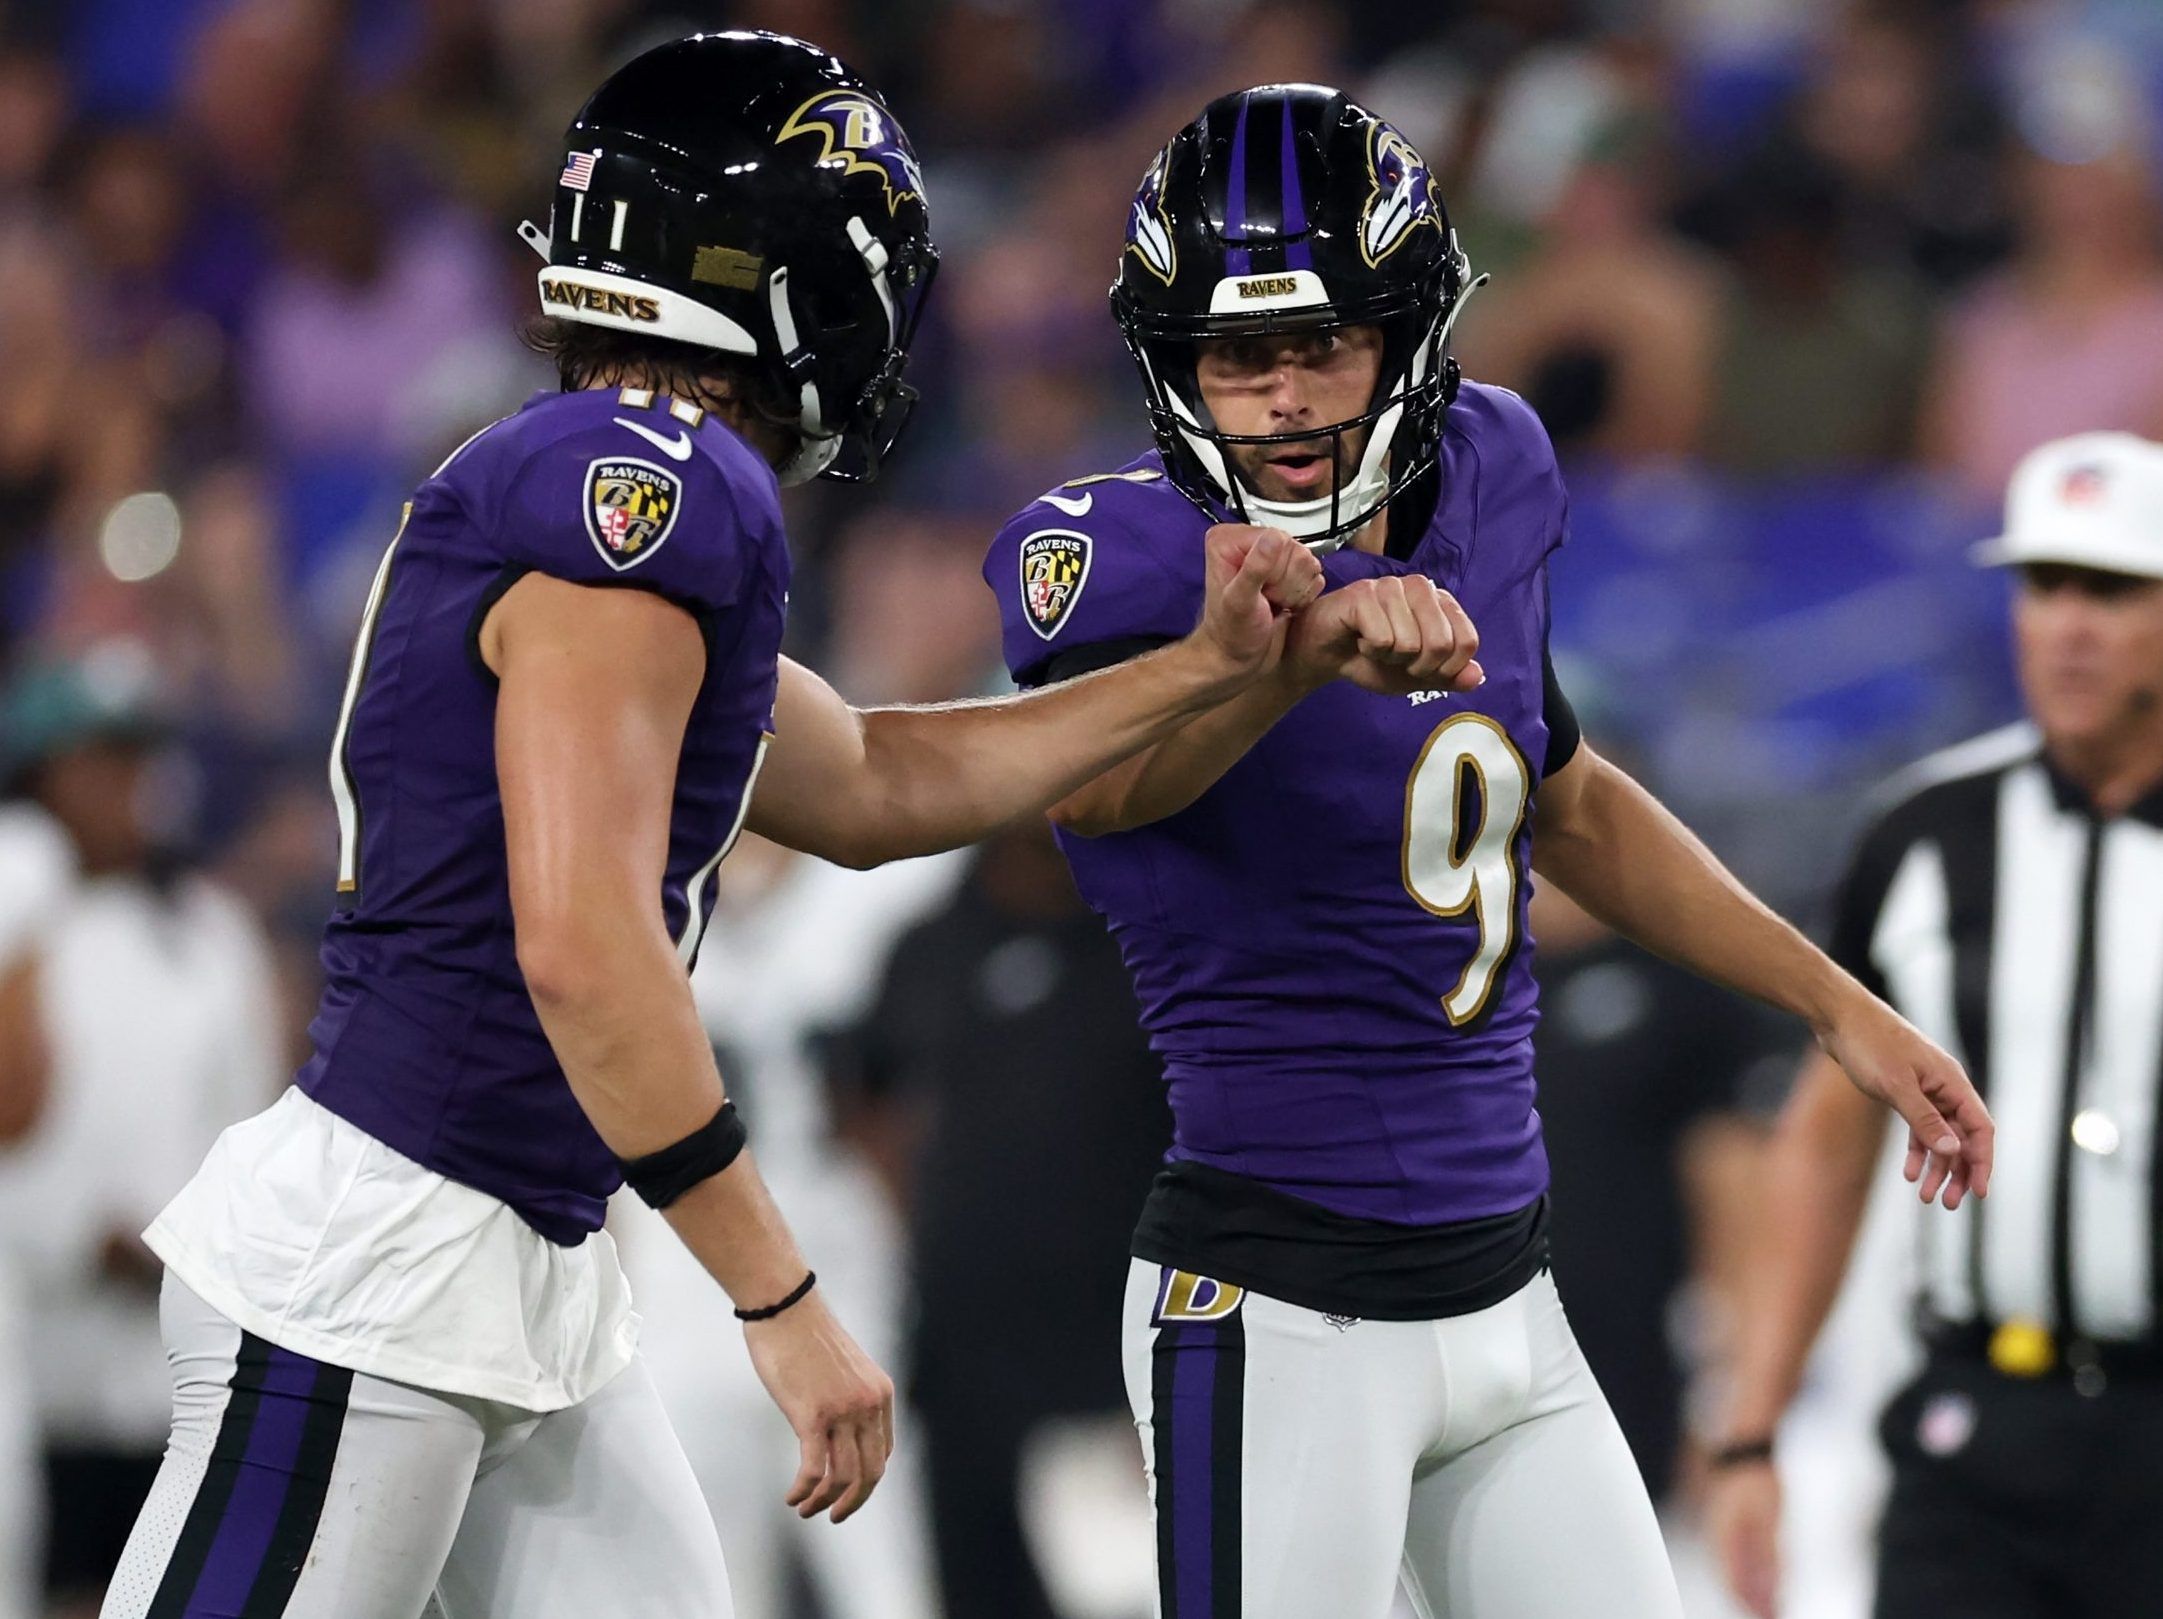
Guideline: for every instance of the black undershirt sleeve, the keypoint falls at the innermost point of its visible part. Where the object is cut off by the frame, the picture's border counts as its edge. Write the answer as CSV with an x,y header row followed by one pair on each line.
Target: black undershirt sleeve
x,y
1087,660
1563,732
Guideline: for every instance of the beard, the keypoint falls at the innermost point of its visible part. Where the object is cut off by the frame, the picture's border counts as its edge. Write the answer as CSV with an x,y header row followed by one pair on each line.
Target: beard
x,y
1304,469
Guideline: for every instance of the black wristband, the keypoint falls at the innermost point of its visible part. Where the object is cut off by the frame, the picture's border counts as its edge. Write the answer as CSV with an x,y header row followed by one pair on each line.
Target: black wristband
x,y
662,1177
811,1280
1739,1453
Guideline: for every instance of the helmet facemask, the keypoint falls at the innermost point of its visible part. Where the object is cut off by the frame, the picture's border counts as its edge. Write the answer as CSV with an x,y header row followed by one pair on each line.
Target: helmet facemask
x,y
1284,209
848,439
1402,422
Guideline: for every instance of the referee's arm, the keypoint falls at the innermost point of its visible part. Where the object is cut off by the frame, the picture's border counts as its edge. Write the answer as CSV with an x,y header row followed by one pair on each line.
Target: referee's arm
x,y
1818,1170
1609,845
1817,1175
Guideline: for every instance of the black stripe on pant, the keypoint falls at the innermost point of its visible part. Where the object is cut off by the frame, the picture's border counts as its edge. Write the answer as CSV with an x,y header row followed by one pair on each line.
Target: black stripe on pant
x,y
1198,1375
247,1533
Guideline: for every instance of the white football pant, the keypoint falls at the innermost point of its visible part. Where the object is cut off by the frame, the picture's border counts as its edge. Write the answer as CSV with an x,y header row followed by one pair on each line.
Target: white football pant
x,y
1300,1462
294,1488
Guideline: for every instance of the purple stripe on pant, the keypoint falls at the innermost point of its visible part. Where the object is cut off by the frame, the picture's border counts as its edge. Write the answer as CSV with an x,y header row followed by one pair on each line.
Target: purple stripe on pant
x,y
263,1482
1194,1386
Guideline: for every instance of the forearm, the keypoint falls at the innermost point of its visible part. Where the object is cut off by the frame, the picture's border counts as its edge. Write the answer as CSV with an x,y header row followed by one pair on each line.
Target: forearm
x,y
1622,856
944,777
24,1061
639,1062
1164,779
1818,1177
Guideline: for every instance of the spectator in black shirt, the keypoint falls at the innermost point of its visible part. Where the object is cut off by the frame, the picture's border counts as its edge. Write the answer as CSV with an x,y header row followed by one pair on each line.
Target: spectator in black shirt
x,y
1006,1025
1653,1088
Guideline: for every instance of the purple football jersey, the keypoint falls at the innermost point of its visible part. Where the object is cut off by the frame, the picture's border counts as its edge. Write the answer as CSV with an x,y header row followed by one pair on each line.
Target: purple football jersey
x,y
426,1036
1330,945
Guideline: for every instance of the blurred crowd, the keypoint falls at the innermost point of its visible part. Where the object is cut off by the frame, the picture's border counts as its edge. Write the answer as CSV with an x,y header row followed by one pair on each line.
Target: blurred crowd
x,y
1792,282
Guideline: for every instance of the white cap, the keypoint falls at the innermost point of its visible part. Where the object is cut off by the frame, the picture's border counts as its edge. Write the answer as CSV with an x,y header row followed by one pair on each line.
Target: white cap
x,y
2094,500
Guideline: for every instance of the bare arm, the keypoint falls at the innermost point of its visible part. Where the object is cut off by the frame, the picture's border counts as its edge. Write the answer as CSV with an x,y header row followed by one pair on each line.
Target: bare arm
x,y
25,1064
863,787
586,748
1393,634
1611,847
1818,1177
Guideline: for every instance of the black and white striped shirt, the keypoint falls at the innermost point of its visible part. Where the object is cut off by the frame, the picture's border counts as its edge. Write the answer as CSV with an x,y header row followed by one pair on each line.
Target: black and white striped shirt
x,y
2024,933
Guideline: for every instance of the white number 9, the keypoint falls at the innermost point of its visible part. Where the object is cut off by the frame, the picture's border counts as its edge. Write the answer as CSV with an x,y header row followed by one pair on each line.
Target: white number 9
x,y
1450,869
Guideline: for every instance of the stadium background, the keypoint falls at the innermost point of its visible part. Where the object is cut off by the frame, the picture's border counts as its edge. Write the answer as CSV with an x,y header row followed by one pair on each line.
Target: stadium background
x,y
1793,283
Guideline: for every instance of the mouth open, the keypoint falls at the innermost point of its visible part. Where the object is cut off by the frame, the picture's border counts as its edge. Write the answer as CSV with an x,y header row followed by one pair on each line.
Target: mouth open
x,y
1300,467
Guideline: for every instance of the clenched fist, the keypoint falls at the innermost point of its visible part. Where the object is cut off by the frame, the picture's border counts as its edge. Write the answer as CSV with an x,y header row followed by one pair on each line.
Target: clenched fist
x,y
1394,634
1254,577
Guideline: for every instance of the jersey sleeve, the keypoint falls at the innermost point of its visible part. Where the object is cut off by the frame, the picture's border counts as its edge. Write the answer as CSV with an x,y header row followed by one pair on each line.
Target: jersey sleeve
x,y
1524,506
607,506
1073,591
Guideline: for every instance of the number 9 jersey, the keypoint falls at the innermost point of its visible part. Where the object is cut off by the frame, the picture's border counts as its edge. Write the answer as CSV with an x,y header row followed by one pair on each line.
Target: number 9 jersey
x,y
1329,945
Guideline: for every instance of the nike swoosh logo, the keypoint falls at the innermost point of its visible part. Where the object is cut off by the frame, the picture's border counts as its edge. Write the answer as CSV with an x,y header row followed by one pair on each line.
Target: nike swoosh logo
x,y
676,449
1071,505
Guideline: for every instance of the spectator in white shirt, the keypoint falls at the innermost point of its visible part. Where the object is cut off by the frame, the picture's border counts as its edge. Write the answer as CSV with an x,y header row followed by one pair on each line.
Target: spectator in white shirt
x,y
149,991
35,869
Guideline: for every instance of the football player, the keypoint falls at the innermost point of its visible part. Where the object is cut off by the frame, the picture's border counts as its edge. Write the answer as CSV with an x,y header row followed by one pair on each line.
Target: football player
x,y
403,1350
1342,1346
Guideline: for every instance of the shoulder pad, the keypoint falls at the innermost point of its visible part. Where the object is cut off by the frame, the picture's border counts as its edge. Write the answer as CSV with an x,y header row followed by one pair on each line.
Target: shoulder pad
x,y
1113,557
1523,506
602,487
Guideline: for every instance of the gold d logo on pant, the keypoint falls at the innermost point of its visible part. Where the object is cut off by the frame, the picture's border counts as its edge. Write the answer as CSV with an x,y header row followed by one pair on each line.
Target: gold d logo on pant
x,y
1184,1296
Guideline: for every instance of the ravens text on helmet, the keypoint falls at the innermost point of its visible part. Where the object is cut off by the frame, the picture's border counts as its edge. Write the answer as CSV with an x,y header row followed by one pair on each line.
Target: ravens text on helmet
x,y
576,295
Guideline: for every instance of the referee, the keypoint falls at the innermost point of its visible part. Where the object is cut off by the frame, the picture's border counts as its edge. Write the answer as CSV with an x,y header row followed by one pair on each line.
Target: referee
x,y
2008,898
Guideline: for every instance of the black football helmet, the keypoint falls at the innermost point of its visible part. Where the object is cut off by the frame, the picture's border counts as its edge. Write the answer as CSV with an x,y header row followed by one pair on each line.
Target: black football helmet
x,y
747,192
1289,207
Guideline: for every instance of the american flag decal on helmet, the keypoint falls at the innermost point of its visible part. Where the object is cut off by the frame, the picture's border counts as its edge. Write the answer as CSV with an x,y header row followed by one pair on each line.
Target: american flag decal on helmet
x,y
578,172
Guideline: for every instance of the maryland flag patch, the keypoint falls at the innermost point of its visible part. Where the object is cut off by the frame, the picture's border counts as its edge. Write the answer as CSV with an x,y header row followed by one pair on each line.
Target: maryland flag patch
x,y
1054,567
630,507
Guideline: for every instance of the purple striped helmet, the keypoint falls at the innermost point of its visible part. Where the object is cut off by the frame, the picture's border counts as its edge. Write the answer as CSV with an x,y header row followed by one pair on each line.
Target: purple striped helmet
x,y
1289,207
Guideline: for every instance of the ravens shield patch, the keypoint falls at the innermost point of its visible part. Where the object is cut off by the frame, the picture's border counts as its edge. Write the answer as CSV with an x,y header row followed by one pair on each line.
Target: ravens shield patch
x,y
630,507
1054,567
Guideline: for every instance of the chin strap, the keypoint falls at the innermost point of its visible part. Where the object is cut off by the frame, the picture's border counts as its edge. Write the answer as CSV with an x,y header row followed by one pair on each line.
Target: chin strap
x,y
1310,521
1315,522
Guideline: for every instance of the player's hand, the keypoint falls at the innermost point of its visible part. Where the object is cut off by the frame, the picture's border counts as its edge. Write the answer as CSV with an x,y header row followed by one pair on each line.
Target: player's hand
x,y
838,1401
1951,1139
1255,577
1394,634
1742,1513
